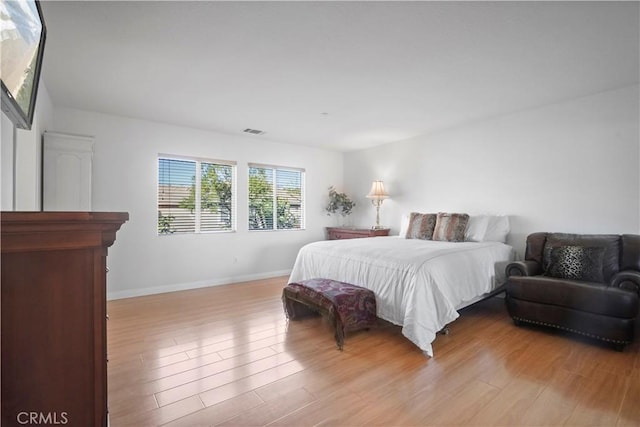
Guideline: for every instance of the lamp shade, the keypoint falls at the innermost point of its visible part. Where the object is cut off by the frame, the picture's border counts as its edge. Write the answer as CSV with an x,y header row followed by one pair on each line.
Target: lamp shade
x,y
377,191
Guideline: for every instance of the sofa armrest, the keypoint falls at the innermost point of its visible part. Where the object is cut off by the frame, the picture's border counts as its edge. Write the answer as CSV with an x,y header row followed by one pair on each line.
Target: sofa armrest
x,y
523,268
627,279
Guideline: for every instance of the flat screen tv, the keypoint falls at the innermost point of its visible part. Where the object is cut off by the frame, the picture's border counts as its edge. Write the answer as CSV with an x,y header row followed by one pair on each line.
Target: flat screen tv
x,y
22,46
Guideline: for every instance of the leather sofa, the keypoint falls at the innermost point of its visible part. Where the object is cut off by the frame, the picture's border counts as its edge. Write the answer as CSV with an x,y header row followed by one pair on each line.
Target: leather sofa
x,y
596,296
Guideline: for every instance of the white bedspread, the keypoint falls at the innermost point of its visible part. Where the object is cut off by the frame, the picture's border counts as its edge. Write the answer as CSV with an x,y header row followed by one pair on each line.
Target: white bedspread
x,y
419,284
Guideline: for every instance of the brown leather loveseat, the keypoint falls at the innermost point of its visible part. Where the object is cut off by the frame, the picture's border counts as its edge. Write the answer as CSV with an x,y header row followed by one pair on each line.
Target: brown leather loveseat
x,y
589,284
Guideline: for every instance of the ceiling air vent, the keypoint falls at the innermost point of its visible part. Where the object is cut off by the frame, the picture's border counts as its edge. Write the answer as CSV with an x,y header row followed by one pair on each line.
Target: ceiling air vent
x,y
254,131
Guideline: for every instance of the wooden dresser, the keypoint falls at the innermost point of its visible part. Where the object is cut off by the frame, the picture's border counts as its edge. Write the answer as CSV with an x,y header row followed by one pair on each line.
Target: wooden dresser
x,y
335,233
54,344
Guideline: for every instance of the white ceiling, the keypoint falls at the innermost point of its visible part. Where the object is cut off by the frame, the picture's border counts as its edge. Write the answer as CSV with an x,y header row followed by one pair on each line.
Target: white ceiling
x,y
381,71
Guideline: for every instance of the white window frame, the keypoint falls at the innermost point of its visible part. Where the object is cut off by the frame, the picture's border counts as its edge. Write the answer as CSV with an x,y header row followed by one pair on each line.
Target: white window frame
x,y
303,207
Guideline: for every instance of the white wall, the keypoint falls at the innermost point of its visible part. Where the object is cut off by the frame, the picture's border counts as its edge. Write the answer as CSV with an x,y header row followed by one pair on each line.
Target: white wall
x,y
21,180
125,179
570,167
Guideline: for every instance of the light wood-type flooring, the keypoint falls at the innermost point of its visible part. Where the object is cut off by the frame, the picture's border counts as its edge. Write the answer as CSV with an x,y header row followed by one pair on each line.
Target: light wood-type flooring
x,y
226,355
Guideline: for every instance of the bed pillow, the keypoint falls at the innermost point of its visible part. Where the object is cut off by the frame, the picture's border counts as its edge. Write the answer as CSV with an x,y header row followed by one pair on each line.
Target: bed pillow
x,y
576,263
450,227
404,225
421,226
497,229
476,228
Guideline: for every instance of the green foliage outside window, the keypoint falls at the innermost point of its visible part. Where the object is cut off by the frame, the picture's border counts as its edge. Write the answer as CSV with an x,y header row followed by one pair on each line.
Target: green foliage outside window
x,y
215,192
286,218
216,198
164,223
261,203
260,200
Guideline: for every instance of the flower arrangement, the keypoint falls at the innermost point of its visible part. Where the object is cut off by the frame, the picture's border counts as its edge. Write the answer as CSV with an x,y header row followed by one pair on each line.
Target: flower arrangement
x,y
339,203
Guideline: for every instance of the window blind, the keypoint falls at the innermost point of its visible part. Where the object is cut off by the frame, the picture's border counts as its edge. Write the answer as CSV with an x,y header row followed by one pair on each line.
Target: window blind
x,y
195,195
276,198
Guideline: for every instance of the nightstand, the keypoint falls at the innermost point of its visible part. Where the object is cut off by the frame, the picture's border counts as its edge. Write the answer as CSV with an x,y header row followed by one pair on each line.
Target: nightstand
x,y
335,233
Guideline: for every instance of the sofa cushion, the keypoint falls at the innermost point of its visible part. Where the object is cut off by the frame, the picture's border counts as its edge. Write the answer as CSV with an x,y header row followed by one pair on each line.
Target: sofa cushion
x,y
535,247
586,296
576,263
630,252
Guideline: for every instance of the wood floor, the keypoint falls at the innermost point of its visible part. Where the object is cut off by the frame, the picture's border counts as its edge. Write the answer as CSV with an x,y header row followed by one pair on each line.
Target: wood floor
x,y
226,356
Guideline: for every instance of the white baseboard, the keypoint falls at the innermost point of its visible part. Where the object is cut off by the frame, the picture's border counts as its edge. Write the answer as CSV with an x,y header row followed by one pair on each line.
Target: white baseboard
x,y
194,285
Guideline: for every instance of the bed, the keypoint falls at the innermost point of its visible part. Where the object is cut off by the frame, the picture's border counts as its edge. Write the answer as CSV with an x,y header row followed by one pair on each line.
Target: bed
x,y
419,284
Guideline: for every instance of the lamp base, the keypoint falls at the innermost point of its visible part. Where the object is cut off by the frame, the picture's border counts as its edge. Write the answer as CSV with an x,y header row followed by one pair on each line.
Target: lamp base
x,y
378,227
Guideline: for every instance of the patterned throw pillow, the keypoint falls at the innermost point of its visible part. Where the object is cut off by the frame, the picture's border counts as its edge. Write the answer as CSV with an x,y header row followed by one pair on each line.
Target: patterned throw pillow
x,y
576,263
421,226
450,227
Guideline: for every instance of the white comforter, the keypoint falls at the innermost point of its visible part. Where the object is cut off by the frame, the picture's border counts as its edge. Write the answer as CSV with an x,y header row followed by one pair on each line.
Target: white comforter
x,y
419,284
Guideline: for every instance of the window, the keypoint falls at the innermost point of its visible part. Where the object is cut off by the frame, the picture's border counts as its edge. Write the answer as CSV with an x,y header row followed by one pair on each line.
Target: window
x,y
195,196
287,195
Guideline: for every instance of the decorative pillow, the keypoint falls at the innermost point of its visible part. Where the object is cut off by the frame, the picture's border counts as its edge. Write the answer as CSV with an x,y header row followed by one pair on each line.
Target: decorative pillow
x,y
549,246
576,263
476,228
450,227
497,229
421,226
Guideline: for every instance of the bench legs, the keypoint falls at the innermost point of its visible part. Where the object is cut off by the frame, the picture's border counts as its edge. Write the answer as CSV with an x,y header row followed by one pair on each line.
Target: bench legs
x,y
297,309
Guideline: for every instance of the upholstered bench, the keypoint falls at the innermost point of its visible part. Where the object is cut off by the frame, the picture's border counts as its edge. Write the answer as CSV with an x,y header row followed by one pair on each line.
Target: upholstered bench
x,y
348,307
